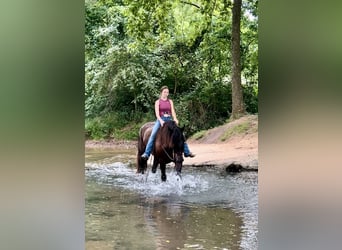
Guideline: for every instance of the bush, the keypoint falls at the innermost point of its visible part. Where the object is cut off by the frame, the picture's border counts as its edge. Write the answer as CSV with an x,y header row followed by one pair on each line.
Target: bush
x,y
96,128
117,125
250,96
204,108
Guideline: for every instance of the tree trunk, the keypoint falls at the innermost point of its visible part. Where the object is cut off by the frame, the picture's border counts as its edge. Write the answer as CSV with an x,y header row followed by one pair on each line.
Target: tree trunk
x,y
238,107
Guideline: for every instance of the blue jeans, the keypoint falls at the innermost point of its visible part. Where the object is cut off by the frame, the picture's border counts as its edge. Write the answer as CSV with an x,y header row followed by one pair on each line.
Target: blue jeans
x,y
150,142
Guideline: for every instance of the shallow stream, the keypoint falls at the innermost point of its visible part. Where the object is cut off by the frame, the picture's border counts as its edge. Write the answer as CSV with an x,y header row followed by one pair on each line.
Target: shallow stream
x,y
205,209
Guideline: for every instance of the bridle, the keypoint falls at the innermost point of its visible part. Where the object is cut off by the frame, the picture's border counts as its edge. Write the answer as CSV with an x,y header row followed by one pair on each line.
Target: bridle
x,y
171,158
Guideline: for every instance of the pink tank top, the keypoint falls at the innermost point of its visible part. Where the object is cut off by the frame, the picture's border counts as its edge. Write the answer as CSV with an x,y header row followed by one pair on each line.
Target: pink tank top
x,y
164,107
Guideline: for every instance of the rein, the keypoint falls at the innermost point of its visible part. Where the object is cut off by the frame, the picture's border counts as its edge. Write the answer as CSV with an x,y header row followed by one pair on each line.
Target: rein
x,y
168,154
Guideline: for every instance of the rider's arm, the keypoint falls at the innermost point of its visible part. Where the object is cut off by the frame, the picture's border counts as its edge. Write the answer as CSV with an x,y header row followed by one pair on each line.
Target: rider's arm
x,y
156,109
174,116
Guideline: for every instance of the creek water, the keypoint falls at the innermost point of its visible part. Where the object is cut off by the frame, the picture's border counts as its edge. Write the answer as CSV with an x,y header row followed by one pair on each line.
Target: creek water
x,y
205,209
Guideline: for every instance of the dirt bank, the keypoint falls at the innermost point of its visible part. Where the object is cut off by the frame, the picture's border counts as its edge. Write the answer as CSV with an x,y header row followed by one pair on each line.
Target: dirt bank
x,y
232,146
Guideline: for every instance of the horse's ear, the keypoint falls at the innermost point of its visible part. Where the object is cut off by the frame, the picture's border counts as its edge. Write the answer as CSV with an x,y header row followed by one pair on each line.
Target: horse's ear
x,y
169,128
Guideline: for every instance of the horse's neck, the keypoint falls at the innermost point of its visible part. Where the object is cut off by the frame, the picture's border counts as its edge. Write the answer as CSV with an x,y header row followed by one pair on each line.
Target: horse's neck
x,y
166,137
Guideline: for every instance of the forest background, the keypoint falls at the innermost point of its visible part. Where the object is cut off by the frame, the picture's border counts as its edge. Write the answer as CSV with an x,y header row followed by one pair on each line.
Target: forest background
x,y
132,48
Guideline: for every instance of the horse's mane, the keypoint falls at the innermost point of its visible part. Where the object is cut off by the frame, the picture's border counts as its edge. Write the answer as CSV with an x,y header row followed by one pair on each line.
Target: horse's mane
x,y
176,134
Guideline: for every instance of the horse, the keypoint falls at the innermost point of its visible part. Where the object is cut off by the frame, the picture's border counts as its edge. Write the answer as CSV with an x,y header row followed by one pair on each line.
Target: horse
x,y
168,147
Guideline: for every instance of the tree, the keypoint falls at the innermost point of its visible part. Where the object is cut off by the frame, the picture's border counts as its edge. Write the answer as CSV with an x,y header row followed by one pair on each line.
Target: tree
x,y
238,107
132,48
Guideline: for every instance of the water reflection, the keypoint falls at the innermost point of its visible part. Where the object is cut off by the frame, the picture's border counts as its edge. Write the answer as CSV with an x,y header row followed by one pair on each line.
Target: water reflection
x,y
117,219
179,226
114,219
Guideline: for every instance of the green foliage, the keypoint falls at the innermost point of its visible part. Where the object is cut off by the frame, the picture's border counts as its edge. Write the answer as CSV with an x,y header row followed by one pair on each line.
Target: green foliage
x,y
132,124
250,94
132,48
97,128
129,132
116,125
204,107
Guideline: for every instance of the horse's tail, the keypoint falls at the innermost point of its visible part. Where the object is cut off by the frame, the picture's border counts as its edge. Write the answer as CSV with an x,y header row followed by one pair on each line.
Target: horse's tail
x,y
141,147
142,140
140,151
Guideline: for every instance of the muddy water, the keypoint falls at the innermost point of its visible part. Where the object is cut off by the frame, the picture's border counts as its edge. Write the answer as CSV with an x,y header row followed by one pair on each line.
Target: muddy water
x,y
206,209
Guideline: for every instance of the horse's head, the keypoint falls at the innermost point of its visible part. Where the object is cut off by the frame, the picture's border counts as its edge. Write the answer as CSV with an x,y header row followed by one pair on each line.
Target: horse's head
x,y
177,139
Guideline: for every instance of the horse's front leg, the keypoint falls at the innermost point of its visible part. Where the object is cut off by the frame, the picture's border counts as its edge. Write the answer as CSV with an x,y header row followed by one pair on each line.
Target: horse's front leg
x,y
155,165
163,171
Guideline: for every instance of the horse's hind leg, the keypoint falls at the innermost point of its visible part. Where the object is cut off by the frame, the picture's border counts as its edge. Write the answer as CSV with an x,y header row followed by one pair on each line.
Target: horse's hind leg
x,y
163,172
141,165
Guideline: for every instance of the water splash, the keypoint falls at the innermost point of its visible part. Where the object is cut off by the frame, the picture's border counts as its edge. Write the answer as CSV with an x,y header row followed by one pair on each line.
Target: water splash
x,y
149,184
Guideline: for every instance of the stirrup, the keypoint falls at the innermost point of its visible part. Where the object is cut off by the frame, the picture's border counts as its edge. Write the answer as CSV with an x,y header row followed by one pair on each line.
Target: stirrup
x,y
144,157
191,155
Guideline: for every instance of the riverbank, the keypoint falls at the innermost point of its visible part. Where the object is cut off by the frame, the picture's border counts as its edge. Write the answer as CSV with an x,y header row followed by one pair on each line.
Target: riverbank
x,y
232,146
111,144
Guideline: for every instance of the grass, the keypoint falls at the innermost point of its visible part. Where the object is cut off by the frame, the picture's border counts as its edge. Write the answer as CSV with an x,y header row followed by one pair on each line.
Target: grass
x,y
238,129
199,135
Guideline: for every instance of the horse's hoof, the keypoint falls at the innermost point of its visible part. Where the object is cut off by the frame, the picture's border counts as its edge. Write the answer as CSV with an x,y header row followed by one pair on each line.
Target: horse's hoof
x,y
154,170
179,176
163,177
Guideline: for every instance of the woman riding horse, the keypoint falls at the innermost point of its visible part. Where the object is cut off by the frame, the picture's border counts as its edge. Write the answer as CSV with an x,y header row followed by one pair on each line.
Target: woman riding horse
x,y
166,139
165,111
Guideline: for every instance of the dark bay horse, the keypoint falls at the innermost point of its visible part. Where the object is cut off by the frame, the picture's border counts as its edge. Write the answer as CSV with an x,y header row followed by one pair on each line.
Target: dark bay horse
x,y
168,147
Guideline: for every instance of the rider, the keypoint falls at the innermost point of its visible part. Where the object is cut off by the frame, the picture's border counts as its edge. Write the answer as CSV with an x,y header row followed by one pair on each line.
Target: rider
x,y
165,111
